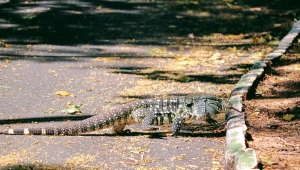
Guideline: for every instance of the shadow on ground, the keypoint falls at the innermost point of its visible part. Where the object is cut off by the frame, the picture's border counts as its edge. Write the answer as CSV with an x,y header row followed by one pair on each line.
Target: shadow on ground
x,y
46,31
68,24
273,114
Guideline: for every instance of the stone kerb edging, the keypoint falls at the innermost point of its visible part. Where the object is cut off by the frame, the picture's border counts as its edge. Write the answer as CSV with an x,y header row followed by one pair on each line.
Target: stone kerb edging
x,y
237,155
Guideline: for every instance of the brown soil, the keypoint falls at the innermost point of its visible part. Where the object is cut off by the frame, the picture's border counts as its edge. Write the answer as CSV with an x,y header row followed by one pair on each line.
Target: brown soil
x,y
273,115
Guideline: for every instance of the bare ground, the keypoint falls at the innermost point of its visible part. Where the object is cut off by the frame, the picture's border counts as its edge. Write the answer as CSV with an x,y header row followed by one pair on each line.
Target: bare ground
x,y
273,114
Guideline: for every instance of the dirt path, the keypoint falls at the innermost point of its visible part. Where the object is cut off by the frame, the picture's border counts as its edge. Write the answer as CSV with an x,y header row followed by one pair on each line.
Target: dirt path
x,y
273,114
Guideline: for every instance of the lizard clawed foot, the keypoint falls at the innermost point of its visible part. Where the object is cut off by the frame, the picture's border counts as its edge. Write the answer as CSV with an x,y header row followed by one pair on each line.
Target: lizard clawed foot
x,y
211,121
175,135
124,132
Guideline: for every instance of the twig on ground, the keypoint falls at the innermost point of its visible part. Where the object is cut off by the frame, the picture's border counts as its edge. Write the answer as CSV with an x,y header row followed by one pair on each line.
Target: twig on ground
x,y
288,144
288,153
279,148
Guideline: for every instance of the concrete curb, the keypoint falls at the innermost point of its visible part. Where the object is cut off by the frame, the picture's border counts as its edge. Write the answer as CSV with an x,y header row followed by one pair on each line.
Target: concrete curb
x,y
237,155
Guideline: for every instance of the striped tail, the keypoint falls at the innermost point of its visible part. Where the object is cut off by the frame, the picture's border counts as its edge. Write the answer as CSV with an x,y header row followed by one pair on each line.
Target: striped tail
x,y
118,121
32,131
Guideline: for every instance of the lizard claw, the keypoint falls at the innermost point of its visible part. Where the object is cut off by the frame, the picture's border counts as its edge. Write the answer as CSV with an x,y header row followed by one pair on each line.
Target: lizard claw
x,y
175,135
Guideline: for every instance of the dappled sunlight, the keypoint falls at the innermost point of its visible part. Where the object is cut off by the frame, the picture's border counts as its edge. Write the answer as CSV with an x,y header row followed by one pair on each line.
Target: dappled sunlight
x,y
46,51
94,22
56,54
29,10
180,41
199,14
108,10
7,25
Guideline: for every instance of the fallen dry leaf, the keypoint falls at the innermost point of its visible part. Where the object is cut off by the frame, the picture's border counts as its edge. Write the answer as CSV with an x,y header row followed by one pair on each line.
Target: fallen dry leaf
x,y
232,49
255,9
253,115
236,37
288,117
179,16
191,35
234,6
72,109
179,158
267,160
63,93
215,56
297,67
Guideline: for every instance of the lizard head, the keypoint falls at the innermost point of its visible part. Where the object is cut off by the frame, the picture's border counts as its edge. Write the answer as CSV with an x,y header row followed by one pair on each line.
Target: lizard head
x,y
208,106
226,105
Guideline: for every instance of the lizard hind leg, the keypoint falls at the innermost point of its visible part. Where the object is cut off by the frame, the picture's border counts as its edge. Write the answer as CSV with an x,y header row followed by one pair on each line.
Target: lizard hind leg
x,y
147,117
119,129
147,123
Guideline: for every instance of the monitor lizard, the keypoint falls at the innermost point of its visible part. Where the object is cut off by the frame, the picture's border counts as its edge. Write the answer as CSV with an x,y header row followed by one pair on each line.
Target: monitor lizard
x,y
175,109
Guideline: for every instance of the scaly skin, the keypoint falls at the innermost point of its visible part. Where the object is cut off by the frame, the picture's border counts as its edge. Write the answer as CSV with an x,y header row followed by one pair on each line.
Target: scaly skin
x,y
146,111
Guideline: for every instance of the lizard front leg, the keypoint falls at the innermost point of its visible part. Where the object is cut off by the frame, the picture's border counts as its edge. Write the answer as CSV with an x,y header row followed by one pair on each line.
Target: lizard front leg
x,y
181,116
147,123
176,126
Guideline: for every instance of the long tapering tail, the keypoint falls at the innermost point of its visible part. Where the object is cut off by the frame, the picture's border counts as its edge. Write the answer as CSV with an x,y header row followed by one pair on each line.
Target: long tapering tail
x,y
97,122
